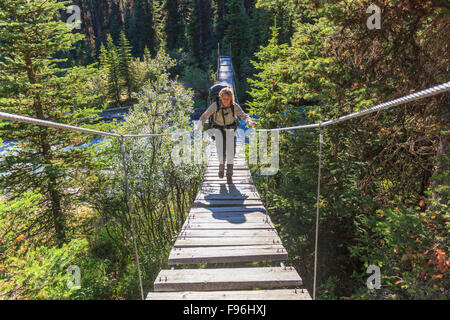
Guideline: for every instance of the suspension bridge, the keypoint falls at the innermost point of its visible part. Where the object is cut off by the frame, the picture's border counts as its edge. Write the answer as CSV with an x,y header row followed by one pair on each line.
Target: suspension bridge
x,y
228,226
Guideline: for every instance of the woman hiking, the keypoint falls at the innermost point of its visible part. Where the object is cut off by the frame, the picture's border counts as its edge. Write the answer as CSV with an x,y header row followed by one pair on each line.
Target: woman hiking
x,y
225,119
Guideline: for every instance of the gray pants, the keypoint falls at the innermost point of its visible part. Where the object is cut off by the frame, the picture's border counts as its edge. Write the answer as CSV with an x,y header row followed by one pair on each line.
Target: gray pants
x,y
225,144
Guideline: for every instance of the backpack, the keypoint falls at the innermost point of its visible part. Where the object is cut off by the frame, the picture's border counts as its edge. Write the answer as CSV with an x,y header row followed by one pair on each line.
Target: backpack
x,y
213,96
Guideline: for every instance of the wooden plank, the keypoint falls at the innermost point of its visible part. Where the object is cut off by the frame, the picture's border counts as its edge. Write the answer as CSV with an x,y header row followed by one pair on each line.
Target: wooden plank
x,y
236,209
223,214
228,196
250,195
227,254
223,190
214,165
238,179
226,219
236,218
239,187
214,225
276,294
227,203
226,233
236,163
240,173
245,182
243,174
216,179
215,168
236,175
215,162
256,217
226,279
220,242
214,158
227,189
224,184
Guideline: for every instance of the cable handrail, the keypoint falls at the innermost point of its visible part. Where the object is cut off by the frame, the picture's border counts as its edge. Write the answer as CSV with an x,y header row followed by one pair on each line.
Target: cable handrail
x,y
46,123
409,98
444,87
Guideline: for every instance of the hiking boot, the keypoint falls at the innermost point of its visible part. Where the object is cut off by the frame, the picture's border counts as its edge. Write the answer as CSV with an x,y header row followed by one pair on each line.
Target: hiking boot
x,y
229,173
221,170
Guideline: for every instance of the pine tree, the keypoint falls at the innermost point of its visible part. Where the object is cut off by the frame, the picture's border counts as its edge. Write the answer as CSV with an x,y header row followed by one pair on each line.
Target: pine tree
x,y
236,31
193,29
159,24
103,58
33,84
114,83
125,59
147,56
174,25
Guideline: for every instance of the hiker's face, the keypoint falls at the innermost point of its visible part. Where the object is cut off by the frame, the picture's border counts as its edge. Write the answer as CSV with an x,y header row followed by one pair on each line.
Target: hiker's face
x,y
226,100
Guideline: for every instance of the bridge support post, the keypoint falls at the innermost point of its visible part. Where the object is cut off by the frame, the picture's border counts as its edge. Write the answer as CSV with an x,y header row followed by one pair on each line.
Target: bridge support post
x,y
130,211
317,209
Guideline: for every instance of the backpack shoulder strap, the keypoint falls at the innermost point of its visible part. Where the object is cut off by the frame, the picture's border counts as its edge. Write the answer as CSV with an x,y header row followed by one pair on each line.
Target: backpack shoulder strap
x,y
219,108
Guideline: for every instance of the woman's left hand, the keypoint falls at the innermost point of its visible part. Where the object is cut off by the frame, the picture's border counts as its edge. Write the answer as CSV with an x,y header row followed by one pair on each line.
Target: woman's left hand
x,y
252,124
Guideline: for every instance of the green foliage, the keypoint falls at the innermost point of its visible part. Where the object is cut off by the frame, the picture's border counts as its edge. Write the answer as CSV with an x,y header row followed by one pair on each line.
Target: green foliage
x,y
148,69
237,25
333,65
41,273
33,83
125,58
159,24
198,80
163,106
384,194
113,69
409,242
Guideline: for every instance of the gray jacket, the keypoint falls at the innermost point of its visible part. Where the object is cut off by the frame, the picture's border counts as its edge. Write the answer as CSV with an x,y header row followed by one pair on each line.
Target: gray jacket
x,y
227,114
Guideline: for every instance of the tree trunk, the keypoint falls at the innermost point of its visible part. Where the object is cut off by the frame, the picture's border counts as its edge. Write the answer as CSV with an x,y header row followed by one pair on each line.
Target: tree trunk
x,y
55,197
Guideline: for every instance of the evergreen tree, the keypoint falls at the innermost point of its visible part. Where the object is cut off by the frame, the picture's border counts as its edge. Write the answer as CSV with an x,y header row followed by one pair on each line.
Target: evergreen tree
x,y
174,25
218,21
139,25
33,84
147,56
104,61
113,75
159,24
236,32
193,29
125,59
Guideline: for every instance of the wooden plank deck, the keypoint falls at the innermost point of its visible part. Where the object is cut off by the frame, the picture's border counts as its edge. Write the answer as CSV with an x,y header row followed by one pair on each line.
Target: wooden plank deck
x,y
276,294
228,224
227,279
227,254
221,242
228,233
